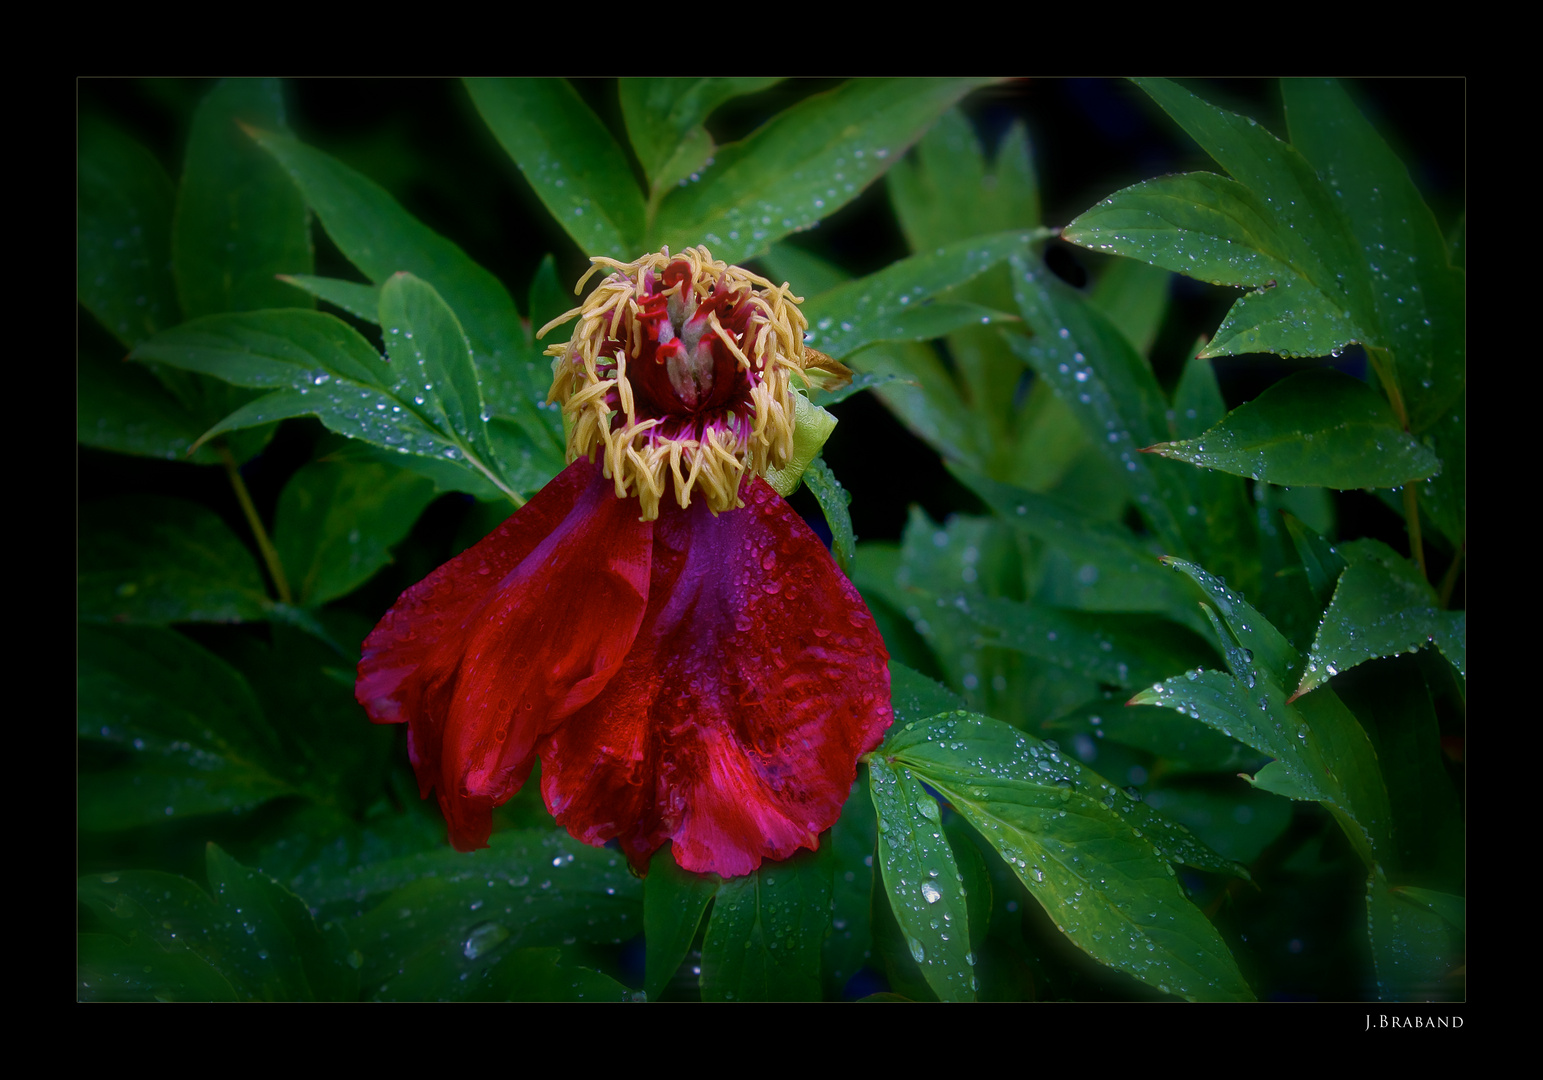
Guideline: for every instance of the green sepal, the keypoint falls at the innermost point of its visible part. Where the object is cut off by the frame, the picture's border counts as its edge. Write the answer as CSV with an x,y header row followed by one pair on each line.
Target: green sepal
x,y
812,425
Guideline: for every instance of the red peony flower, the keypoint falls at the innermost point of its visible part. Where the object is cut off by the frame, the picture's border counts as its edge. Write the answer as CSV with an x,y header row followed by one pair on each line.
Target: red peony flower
x,y
693,669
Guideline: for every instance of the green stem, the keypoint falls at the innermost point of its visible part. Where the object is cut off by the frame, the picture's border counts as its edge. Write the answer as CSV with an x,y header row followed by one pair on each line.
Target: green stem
x,y
1449,579
264,545
1381,363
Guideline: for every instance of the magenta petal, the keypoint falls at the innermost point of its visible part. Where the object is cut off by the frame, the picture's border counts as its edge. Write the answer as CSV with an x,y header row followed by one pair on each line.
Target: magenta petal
x,y
495,648
755,682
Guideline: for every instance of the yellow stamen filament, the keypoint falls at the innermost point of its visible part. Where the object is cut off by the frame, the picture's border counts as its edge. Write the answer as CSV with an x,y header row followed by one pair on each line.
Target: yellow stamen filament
x,y
640,455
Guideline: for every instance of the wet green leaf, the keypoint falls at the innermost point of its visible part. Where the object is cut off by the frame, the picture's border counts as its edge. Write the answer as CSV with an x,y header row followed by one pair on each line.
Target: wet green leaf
x,y
541,975
1110,569
1094,370
338,521
1381,607
853,842
1181,744
925,888
1321,751
239,220
664,122
432,360
1118,650
154,560
1316,428
187,730
1419,301
764,935
569,159
380,238
1212,228
802,166
431,919
140,969
1234,820
898,303
673,903
833,500
314,365
123,236
255,939
275,950
1416,951
1097,860
124,408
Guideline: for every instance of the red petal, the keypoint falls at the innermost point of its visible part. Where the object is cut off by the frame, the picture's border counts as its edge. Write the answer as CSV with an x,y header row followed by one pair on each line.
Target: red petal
x,y
493,649
757,679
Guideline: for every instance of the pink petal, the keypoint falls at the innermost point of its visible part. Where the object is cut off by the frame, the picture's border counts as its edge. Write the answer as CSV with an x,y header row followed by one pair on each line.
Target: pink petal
x,y
756,681
495,648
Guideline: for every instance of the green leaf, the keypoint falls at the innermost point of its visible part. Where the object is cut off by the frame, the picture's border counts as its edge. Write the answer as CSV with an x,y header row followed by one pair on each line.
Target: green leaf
x,y
1094,370
380,238
123,236
853,841
664,121
1234,820
323,369
1316,428
152,560
1454,909
569,159
257,938
897,303
1183,744
1321,562
1445,496
920,392
433,361
284,956
439,922
1393,701
802,166
926,890
540,975
1322,752
1419,300
1095,859
1215,229
1109,569
1118,650
1381,607
945,192
673,903
1415,949
188,735
1134,296
338,521
916,697
360,301
763,939
239,220
124,408
834,500
140,969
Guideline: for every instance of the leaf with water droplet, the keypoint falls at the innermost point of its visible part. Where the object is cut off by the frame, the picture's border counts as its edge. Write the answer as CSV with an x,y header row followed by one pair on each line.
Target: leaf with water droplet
x,y
763,937
922,880
1316,428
